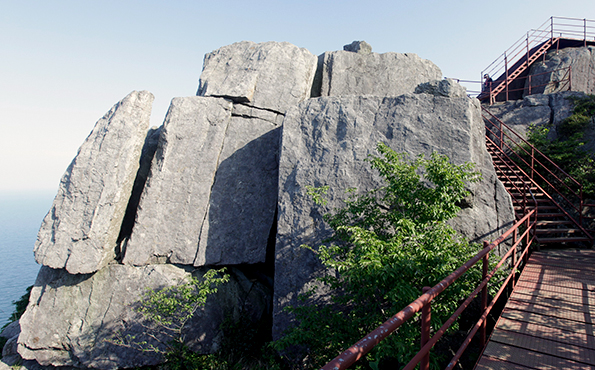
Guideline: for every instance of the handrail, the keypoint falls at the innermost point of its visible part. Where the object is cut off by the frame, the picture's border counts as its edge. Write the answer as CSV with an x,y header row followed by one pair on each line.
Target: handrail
x,y
519,54
365,345
505,139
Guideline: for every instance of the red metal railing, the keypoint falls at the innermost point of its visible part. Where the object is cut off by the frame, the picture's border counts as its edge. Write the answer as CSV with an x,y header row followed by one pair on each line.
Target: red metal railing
x,y
532,45
524,239
511,144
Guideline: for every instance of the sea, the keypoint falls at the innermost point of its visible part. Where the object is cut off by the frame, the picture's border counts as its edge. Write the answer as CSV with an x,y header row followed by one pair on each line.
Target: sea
x,y
21,214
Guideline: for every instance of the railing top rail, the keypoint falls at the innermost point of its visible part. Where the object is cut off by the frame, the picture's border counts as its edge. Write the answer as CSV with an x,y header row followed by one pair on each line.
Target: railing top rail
x,y
553,27
532,147
365,345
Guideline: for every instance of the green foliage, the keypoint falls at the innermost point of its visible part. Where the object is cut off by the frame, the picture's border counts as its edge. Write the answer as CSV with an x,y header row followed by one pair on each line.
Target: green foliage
x,y
567,149
388,244
166,311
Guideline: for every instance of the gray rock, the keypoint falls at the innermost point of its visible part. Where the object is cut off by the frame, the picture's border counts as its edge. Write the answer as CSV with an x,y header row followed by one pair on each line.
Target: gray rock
x,y
535,110
552,75
11,330
326,141
80,231
175,200
243,197
270,75
446,87
211,196
391,74
72,320
360,47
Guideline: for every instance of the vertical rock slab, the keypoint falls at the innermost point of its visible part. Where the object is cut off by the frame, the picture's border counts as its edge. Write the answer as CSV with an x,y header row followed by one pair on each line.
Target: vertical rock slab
x,y
347,73
325,141
72,320
271,75
81,229
243,198
175,200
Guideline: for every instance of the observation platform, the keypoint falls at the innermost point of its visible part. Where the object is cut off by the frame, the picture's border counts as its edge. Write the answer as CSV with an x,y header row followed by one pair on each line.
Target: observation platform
x,y
548,320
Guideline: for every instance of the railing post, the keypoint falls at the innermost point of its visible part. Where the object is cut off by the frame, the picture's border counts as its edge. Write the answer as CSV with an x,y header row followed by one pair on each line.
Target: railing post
x,y
514,240
528,51
585,32
484,297
530,84
426,316
532,161
580,209
552,28
506,68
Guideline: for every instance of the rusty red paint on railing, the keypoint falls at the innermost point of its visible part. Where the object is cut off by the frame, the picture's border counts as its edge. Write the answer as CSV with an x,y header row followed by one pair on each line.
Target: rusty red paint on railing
x,y
578,194
519,56
365,345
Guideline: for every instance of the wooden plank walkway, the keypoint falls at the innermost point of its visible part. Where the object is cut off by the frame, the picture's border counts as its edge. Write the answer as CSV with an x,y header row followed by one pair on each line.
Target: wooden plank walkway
x,y
548,320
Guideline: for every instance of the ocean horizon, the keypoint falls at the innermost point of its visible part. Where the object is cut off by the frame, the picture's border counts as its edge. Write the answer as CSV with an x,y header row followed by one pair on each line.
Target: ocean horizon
x,y
21,214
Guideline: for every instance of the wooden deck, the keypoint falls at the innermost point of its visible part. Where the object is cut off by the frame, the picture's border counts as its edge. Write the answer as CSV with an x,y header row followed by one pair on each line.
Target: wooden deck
x,y
548,320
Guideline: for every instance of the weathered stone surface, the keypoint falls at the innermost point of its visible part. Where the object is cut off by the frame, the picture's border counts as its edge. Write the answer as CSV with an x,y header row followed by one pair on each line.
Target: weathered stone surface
x,y
71,320
390,74
552,75
11,330
175,200
211,196
270,75
446,87
81,229
360,47
243,198
535,110
325,142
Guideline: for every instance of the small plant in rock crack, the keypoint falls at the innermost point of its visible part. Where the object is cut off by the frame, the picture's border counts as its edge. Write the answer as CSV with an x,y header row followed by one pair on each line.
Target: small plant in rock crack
x,y
165,313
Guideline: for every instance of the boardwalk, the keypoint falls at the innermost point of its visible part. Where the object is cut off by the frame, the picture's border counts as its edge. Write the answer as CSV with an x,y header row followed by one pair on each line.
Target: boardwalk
x,y
548,320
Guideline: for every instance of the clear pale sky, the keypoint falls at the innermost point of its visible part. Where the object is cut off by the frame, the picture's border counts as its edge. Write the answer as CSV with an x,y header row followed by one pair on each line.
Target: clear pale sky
x,y
63,64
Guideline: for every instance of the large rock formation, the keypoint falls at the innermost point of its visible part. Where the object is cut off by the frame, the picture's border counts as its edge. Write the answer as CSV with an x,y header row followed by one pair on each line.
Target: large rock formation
x,y
74,319
536,110
564,69
326,141
272,75
80,231
346,73
209,186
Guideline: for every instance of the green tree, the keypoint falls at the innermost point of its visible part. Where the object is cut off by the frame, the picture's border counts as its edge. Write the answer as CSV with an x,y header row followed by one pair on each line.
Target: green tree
x,y
166,312
388,244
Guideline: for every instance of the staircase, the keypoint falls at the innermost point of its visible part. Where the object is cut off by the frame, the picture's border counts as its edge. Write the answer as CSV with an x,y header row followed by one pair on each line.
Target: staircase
x,y
555,221
515,71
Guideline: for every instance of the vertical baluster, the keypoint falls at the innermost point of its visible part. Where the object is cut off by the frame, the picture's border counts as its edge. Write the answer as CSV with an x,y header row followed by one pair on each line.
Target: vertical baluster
x,y
426,316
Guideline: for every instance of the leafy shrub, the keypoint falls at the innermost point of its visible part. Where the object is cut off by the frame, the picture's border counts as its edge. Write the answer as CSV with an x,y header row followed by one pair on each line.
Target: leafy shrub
x,y
167,310
388,244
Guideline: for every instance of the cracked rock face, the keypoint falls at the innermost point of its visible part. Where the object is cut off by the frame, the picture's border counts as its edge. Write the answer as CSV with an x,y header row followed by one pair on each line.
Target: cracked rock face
x,y
326,141
211,196
80,231
272,75
71,320
345,73
552,75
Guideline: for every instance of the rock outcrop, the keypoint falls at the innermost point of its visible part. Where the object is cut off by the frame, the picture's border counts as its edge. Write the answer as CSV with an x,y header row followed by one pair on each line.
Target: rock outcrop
x,y
326,141
535,110
347,73
272,76
81,229
210,182
73,319
560,66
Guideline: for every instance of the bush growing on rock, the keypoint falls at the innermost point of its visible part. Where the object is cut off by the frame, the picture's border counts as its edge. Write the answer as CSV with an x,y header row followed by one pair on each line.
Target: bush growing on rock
x,y
388,244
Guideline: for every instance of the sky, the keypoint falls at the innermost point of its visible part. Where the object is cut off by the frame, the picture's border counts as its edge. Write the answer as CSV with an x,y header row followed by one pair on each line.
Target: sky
x,y
64,64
